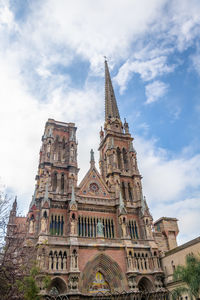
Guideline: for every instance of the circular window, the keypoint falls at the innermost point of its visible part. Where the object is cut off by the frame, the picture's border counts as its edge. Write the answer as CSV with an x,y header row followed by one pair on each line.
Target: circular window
x,y
94,187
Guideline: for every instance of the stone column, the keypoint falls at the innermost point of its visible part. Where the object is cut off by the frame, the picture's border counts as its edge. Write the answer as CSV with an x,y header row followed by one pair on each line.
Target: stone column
x,y
50,261
64,263
59,262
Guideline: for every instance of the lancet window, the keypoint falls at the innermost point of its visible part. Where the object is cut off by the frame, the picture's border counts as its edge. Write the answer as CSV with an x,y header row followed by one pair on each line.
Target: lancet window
x,y
87,227
57,260
130,192
54,182
119,159
56,225
125,159
142,261
123,191
133,229
62,183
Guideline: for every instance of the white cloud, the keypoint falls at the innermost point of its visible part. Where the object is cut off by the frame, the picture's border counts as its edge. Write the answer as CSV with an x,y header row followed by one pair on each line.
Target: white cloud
x,y
148,70
171,185
83,28
6,16
23,118
185,22
56,32
166,179
155,90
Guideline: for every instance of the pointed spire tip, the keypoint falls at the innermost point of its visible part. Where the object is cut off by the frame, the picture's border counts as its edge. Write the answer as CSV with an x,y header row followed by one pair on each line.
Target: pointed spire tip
x,y
111,109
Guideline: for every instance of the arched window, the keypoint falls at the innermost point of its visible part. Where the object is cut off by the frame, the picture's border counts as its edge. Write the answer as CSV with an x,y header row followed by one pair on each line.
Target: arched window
x,y
54,182
123,191
119,159
138,191
125,159
32,218
63,143
130,192
62,183
74,259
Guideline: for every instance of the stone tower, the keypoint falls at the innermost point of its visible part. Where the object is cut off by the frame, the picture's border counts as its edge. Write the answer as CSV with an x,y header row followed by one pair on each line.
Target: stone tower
x,y
118,160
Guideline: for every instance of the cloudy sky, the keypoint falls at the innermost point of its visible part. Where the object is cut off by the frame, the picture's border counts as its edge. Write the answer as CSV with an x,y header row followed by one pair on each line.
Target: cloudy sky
x,y
52,66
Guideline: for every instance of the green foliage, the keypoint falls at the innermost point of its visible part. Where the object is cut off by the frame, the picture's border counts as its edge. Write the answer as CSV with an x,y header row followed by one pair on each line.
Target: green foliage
x,y
190,274
46,281
28,286
178,292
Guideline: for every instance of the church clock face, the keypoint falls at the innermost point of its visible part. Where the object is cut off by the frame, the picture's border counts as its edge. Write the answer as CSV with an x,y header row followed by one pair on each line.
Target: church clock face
x,y
94,187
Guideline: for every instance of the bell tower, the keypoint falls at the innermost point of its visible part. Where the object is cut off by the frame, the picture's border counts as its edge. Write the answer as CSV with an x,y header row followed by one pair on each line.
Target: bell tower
x,y
118,159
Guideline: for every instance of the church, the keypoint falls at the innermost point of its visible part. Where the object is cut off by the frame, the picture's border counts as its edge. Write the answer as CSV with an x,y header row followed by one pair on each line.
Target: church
x,y
98,236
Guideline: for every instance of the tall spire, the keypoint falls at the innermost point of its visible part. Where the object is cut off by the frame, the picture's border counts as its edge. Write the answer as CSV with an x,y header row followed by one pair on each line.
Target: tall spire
x,y
111,109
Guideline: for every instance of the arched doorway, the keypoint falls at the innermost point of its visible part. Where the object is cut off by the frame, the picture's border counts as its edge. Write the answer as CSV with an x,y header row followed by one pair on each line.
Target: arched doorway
x,y
57,287
102,273
145,285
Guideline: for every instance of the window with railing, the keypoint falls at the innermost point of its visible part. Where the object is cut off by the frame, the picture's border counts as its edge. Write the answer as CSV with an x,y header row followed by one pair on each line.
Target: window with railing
x,y
56,225
133,229
87,227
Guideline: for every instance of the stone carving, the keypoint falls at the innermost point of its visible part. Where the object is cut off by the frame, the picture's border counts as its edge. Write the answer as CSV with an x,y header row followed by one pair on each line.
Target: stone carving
x,y
32,226
48,148
72,153
158,283
123,227
73,226
73,283
54,291
130,262
132,284
100,229
74,260
44,224
72,135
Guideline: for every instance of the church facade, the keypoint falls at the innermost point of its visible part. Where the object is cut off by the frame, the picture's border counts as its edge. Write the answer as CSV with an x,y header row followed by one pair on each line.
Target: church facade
x,y
97,236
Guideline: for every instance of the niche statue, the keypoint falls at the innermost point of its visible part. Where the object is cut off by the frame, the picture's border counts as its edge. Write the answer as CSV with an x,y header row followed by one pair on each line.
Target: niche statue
x,y
100,229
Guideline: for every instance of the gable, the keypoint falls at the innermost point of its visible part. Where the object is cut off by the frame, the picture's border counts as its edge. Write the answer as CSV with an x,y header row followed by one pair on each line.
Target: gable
x,y
46,205
93,185
33,207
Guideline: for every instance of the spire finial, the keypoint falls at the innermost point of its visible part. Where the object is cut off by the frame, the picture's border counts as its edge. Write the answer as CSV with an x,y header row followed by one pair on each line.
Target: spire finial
x,y
92,161
111,109
14,206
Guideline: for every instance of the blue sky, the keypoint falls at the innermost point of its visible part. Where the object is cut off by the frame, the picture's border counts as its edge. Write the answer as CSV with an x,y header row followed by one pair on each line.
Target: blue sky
x,y
52,66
